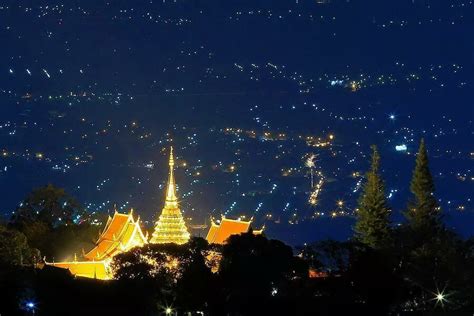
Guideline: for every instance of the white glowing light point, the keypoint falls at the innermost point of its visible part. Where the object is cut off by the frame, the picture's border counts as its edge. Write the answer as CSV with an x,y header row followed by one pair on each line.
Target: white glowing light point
x,y
310,163
402,147
440,297
392,116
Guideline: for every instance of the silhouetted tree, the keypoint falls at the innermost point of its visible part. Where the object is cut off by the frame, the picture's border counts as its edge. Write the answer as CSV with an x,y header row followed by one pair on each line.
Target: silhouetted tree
x,y
196,288
371,274
143,263
423,210
310,256
373,215
254,268
14,248
47,218
49,204
333,255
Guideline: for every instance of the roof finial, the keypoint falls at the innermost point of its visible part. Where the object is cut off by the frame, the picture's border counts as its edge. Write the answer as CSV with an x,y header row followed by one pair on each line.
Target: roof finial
x,y
171,162
171,190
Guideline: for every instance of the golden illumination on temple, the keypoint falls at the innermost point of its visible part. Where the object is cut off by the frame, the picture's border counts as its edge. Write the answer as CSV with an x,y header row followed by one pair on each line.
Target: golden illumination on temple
x,y
170,227
121,233
219,233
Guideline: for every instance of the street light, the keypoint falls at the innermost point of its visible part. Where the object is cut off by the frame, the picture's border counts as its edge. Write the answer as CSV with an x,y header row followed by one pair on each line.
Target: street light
x,y
30,307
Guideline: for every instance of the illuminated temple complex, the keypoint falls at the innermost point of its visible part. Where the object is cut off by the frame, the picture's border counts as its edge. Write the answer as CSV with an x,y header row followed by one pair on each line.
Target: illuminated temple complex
x,y
220,232
121,233
170,227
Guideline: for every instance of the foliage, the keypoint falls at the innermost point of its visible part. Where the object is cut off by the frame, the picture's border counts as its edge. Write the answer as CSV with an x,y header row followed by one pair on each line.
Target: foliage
x,y
310,256
170,271
423,211
333,256
46,216
49,204
373,215
14,249
253,267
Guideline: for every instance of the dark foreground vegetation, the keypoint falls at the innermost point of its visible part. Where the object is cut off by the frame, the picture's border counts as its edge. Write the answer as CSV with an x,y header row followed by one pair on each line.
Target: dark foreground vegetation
x,y
419,267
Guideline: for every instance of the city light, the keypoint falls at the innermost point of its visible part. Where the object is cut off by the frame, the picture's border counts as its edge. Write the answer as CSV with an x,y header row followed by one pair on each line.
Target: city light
x,y
402,147
30,306
441,297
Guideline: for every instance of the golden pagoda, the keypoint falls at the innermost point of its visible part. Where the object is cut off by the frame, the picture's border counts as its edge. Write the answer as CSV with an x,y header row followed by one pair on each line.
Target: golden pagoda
x,y
170,227
220,232
121,233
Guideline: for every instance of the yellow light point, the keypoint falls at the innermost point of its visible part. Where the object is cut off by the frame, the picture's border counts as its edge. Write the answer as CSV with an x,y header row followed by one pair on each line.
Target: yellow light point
x,y
340,203
39,155
354,86
331,136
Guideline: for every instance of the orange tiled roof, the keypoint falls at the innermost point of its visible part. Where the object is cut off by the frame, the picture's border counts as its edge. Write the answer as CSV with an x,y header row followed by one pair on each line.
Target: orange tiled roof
x,y
115,226
120,233
87,269
219,233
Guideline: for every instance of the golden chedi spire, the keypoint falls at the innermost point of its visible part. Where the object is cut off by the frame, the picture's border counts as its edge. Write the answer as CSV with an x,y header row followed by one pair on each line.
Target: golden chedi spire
x,y
170,227
171,200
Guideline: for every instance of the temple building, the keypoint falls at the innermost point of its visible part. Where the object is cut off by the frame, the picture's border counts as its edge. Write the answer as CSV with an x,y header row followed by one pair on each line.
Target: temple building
x,y
219,233
170,227
121,233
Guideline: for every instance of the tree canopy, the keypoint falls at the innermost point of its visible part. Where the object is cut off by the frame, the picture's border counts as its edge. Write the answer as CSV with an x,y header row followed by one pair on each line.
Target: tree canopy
x,y
373,214
423,209
49,204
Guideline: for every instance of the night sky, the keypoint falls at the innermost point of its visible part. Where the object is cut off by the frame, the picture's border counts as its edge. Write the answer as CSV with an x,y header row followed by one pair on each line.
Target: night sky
x,y
93,93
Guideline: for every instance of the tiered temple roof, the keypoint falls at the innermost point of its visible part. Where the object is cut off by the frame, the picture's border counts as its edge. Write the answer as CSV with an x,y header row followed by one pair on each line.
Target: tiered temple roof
x,y
219,233
121,233
170,227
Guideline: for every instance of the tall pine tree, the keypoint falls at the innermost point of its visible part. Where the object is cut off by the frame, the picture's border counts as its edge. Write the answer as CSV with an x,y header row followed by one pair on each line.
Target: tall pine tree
x,y
423,210
373,216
